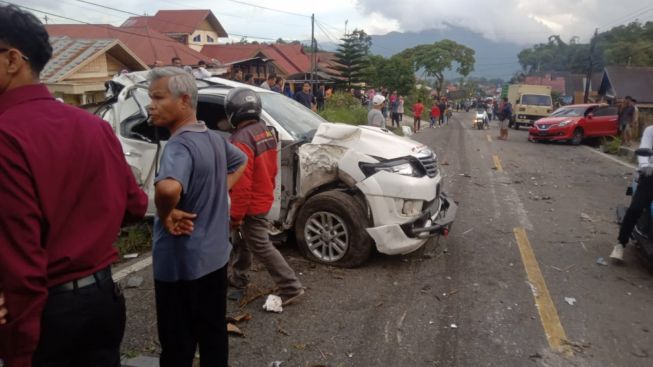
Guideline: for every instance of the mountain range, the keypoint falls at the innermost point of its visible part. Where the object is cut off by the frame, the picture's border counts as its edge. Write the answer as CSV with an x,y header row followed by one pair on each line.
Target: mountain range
x,y
494,59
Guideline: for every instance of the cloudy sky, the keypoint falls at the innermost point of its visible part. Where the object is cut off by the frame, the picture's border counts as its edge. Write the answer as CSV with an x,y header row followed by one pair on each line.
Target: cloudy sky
x,y
520,21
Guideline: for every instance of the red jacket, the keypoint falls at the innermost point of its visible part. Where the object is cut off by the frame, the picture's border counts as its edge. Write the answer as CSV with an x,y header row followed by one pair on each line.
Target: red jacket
x,y
435,111
418,108
253,194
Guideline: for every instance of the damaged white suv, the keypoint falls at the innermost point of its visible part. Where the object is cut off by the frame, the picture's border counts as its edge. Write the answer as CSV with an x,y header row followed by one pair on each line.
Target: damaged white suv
x,y
340,188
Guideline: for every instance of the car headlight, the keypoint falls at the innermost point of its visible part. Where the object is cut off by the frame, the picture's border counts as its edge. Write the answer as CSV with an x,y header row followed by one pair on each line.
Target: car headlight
x,y
565,123
408,166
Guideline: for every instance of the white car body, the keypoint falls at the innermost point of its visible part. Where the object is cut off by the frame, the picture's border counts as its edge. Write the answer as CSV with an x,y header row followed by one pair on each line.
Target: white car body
x,y
404,210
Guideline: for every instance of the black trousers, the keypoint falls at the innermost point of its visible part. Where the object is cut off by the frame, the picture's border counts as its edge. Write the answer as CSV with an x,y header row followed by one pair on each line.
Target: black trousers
x,y
82,328
641,199
192,313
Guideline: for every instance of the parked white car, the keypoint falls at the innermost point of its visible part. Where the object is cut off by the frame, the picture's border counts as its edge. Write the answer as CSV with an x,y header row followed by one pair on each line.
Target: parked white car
x,y
341,188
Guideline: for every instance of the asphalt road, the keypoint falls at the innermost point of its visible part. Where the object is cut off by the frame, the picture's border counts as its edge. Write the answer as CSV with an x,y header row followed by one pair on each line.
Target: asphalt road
x,y
533,219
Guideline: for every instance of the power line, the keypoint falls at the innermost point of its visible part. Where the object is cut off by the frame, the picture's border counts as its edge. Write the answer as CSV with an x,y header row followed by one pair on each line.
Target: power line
x,y
631,15
268,8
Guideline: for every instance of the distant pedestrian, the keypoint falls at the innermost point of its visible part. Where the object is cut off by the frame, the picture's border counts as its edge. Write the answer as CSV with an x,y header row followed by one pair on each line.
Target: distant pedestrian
x,y
435,115
287,91
65,191
201,72
626,118
191,229
269,82
252,198
505,115
305,96
319,98
375,116
278,85
176,62
442,107
249,79
238,76
394,109
418,108
400,109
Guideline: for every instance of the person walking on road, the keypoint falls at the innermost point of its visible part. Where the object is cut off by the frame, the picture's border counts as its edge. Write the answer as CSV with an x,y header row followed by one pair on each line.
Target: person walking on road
x,y
505,115
626,118
400,109
418,108
394,109
435,115
375,116
442,107
642,197
191,229
65,191
253,195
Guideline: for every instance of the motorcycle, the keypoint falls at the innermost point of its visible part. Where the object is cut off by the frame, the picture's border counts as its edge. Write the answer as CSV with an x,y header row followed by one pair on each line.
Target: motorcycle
x,y
643,232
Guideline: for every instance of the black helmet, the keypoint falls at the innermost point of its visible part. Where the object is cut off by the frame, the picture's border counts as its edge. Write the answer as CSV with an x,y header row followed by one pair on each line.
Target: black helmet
x,y
242,104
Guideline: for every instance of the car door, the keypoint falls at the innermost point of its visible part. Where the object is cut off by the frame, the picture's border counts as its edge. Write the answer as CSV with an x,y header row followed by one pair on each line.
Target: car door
x,y
605,120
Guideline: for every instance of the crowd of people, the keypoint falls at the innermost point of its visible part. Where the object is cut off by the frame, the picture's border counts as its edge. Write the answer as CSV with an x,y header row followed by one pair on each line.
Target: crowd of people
x,y
63,206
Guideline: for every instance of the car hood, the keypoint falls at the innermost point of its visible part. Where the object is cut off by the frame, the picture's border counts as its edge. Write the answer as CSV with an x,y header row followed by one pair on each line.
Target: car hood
x,y
373,141
555,120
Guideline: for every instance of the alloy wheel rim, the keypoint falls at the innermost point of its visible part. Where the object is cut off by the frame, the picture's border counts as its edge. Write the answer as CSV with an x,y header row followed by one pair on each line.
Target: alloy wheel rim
x,y
327,236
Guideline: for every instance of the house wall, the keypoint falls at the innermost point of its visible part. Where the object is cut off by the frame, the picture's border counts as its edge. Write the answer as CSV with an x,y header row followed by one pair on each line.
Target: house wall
x,y
203,30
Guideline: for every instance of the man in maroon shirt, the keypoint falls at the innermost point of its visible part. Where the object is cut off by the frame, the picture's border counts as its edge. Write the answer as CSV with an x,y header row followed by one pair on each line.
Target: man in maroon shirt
x,y
65,191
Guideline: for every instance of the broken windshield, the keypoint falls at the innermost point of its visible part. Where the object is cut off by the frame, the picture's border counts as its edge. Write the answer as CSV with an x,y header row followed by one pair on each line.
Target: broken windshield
x,y
298,120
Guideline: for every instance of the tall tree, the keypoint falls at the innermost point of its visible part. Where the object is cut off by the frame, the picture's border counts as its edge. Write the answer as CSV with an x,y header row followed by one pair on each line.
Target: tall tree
x,y
351,56
439,57
395,73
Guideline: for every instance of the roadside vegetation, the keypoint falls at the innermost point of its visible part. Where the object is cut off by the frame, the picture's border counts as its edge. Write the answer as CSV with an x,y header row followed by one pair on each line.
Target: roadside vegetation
x,y
135,239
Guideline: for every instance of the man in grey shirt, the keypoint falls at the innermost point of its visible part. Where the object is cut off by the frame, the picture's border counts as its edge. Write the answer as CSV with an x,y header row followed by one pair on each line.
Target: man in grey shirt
x,y
375,116
191,229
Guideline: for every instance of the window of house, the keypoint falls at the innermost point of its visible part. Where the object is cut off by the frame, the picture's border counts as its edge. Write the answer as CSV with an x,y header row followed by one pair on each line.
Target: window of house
x,y
209,39
197,38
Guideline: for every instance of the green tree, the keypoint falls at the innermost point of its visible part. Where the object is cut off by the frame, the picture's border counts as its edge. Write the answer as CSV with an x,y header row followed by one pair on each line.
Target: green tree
x,y
439,57
395,73
351,56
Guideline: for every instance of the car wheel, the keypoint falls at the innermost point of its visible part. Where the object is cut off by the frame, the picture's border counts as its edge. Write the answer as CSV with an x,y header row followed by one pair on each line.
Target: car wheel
x,y
577,137
330,229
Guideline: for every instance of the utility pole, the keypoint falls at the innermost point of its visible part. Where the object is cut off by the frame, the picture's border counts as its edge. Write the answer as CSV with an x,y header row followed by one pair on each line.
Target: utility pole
x,y
588,79
312,46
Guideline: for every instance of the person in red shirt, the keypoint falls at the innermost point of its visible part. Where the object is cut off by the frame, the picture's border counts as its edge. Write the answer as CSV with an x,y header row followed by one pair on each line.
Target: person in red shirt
x,y
435,114
65,191
252,197
418,108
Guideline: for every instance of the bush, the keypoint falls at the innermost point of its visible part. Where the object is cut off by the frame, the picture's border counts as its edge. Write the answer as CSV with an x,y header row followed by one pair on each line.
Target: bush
x,y
343,107
612,145
135,239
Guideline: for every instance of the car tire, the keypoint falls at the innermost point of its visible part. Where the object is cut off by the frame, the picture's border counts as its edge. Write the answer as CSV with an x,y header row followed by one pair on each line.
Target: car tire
x,y
577,137
331,229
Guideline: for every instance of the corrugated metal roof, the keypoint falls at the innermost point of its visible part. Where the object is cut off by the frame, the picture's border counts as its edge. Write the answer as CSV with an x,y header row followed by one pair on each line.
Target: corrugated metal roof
x,y
69,53
636,82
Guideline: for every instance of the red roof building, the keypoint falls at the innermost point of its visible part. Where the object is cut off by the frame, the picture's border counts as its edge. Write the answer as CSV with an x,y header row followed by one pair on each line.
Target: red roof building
x,y
148,44
193,28
286,59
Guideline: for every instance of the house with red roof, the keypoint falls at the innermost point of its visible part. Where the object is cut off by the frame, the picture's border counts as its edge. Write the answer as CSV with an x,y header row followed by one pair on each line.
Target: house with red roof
x,y
145,42
193,28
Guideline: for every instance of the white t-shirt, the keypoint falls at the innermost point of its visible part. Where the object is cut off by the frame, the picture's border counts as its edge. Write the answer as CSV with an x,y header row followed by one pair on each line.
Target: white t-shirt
x,y
375,118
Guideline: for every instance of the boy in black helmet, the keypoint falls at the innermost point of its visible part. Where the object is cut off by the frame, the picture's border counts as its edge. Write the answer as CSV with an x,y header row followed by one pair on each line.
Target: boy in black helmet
x,y
252,197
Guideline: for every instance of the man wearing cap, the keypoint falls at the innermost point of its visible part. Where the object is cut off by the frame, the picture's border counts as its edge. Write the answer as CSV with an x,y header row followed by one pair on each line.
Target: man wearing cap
x,y
375,116
65,191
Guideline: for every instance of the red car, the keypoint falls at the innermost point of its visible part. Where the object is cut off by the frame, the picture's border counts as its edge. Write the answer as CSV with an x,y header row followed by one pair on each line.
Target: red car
x,y
575,122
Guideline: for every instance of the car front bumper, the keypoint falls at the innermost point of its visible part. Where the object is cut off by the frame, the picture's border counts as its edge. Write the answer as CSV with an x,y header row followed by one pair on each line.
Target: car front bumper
x,y
550,134
403,238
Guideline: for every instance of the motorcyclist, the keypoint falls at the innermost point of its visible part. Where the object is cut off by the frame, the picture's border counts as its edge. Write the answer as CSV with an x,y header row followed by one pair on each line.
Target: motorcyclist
x,y
642,197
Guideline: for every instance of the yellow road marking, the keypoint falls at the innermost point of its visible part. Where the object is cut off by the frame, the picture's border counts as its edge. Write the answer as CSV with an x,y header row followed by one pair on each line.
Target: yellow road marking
x,y
555,334
497,163
489,138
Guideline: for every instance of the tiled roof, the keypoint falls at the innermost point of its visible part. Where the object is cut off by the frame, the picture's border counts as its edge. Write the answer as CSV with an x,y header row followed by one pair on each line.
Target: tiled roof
x,y
636,82
68,53
290,58
177,21
148,44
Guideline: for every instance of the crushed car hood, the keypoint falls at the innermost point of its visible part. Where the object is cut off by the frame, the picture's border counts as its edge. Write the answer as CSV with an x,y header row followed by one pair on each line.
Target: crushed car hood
x,y
373,141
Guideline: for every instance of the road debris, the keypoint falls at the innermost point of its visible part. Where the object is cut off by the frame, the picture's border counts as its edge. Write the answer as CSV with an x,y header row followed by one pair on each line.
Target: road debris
x,y
273,304
275,364
134,282
535,356
453,326
467,231
130,256
246,316
233,329
464,175
570,300
601,261
586,218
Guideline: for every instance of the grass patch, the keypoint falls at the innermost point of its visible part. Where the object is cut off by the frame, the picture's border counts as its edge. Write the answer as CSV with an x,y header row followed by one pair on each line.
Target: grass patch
x,y
135,239
347,115
611,145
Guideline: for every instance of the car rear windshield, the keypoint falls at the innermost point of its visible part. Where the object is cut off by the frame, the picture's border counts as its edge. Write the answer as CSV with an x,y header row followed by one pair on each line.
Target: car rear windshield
x,y
536,100
294,117
569,112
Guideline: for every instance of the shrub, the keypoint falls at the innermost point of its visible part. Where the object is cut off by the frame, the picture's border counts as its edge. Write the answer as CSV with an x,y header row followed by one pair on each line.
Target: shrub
x,y
343,107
